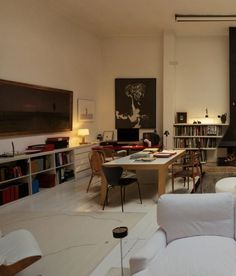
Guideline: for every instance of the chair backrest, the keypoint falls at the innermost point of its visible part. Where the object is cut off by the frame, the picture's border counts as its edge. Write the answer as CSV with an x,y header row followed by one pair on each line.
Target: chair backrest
x,y
187,215
194,159
190,161
96,159
18,250
109,152
113,175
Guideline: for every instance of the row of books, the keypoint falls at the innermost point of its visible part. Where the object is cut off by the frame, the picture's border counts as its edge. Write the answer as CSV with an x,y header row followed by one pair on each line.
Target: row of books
x,y
195,143
64,175
63,158
198,130
10,172
13,192
40,163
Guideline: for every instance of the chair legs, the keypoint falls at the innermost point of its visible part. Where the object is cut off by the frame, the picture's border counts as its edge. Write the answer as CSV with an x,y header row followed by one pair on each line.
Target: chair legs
x,y
122,196
121,199
105,200
139,192
194,184
91,178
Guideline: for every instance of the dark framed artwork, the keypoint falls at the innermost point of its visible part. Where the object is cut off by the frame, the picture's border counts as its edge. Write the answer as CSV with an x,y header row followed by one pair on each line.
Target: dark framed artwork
x,y
181,117
135,103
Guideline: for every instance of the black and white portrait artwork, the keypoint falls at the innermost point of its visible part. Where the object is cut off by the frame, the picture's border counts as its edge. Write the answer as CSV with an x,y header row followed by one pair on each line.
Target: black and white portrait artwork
x,y
135,103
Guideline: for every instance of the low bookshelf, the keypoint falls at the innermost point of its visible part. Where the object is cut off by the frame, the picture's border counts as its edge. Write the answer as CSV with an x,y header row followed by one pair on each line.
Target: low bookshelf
x,y
27,174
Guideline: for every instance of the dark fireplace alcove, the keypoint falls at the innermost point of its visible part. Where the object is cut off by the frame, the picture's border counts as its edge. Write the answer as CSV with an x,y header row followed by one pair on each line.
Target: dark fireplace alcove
x,y
229,139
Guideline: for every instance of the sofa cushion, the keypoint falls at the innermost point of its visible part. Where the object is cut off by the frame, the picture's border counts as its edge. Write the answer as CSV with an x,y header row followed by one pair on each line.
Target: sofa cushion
x,y
186,215
152,248
195,256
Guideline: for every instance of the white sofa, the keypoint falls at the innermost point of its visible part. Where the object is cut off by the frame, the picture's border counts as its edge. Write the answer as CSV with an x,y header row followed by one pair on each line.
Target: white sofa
x,y
196,237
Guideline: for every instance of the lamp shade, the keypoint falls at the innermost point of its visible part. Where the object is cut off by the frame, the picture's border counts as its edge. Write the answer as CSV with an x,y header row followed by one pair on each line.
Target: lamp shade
x,y
83,132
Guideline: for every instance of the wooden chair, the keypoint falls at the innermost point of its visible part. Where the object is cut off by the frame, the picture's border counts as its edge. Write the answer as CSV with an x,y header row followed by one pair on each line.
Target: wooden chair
x,y
96,159
114,178
188,167
111,154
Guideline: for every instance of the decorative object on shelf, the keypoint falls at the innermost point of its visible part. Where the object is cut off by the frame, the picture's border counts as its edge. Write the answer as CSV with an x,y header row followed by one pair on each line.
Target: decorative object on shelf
x,y
108,135
197,122
99,137
223,118
135,103
82,132
181,117
166,133
86,110
206,116
9,154
120,233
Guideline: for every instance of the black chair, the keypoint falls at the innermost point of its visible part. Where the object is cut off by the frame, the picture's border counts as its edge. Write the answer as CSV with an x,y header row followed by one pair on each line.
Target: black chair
x,y
114,178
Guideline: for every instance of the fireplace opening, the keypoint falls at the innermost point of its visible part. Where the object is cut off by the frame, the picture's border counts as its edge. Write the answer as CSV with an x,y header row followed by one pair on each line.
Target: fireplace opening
x,y
229,159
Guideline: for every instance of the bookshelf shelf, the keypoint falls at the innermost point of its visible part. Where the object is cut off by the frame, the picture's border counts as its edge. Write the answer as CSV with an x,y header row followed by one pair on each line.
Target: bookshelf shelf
x,y
43,171
65,165
202,137
13,179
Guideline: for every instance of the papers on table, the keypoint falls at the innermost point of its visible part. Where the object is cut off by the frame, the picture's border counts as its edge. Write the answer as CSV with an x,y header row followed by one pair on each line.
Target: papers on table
x,y
139,155
164,153
151,150
171,152
147,155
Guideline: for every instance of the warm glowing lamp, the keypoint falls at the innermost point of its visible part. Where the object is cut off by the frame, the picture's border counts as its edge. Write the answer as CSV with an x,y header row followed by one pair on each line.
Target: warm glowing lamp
x,y
83,132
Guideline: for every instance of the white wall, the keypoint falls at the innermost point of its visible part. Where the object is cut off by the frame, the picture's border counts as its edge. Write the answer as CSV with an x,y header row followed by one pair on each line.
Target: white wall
x,y
128,57
39,46
202,76
198,68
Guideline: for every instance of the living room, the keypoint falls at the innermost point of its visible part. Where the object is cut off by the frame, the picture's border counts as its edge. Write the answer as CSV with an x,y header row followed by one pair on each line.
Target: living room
x,y
69,46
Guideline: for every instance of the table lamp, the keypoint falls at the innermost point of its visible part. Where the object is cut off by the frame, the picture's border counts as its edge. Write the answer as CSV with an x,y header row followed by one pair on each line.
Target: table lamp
x,y
83,132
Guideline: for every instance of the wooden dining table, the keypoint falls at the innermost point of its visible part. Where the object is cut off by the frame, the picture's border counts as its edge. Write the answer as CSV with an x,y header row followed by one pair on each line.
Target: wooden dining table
x,y
159,164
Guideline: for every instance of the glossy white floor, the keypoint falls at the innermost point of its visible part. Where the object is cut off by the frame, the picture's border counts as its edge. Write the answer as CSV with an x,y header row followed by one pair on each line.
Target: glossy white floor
x,y
57,204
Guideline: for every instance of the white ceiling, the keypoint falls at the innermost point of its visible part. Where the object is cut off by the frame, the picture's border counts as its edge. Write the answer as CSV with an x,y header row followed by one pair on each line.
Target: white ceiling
x,y
144,17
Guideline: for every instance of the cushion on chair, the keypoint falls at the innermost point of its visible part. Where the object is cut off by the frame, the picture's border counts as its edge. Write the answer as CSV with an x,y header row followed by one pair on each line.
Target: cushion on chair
x,y
195,256
196,214
18,245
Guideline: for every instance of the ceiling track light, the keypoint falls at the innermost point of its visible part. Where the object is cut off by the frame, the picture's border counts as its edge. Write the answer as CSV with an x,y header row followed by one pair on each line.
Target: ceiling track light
x,y
204,18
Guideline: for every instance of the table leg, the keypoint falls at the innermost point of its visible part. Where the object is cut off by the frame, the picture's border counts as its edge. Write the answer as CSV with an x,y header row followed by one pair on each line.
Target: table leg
x,y
161,184
103,189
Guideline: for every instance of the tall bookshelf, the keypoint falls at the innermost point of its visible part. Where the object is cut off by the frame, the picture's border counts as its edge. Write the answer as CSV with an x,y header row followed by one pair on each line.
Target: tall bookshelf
x,y
202,137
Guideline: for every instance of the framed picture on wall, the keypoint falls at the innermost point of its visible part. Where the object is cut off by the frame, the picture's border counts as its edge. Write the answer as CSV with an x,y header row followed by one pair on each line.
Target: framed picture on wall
x,y
135,103
181,117
108,135
86,110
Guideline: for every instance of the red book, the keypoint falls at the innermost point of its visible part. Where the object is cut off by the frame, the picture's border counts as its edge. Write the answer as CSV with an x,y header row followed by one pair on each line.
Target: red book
x,y
15,190
6,195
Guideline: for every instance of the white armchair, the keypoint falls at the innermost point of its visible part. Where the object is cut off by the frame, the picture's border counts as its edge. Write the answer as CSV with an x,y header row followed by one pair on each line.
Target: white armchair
x,y
196,237
18,249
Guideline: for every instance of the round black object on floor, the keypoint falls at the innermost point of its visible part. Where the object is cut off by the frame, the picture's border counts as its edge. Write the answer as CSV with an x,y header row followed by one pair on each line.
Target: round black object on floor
x,y
120,232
